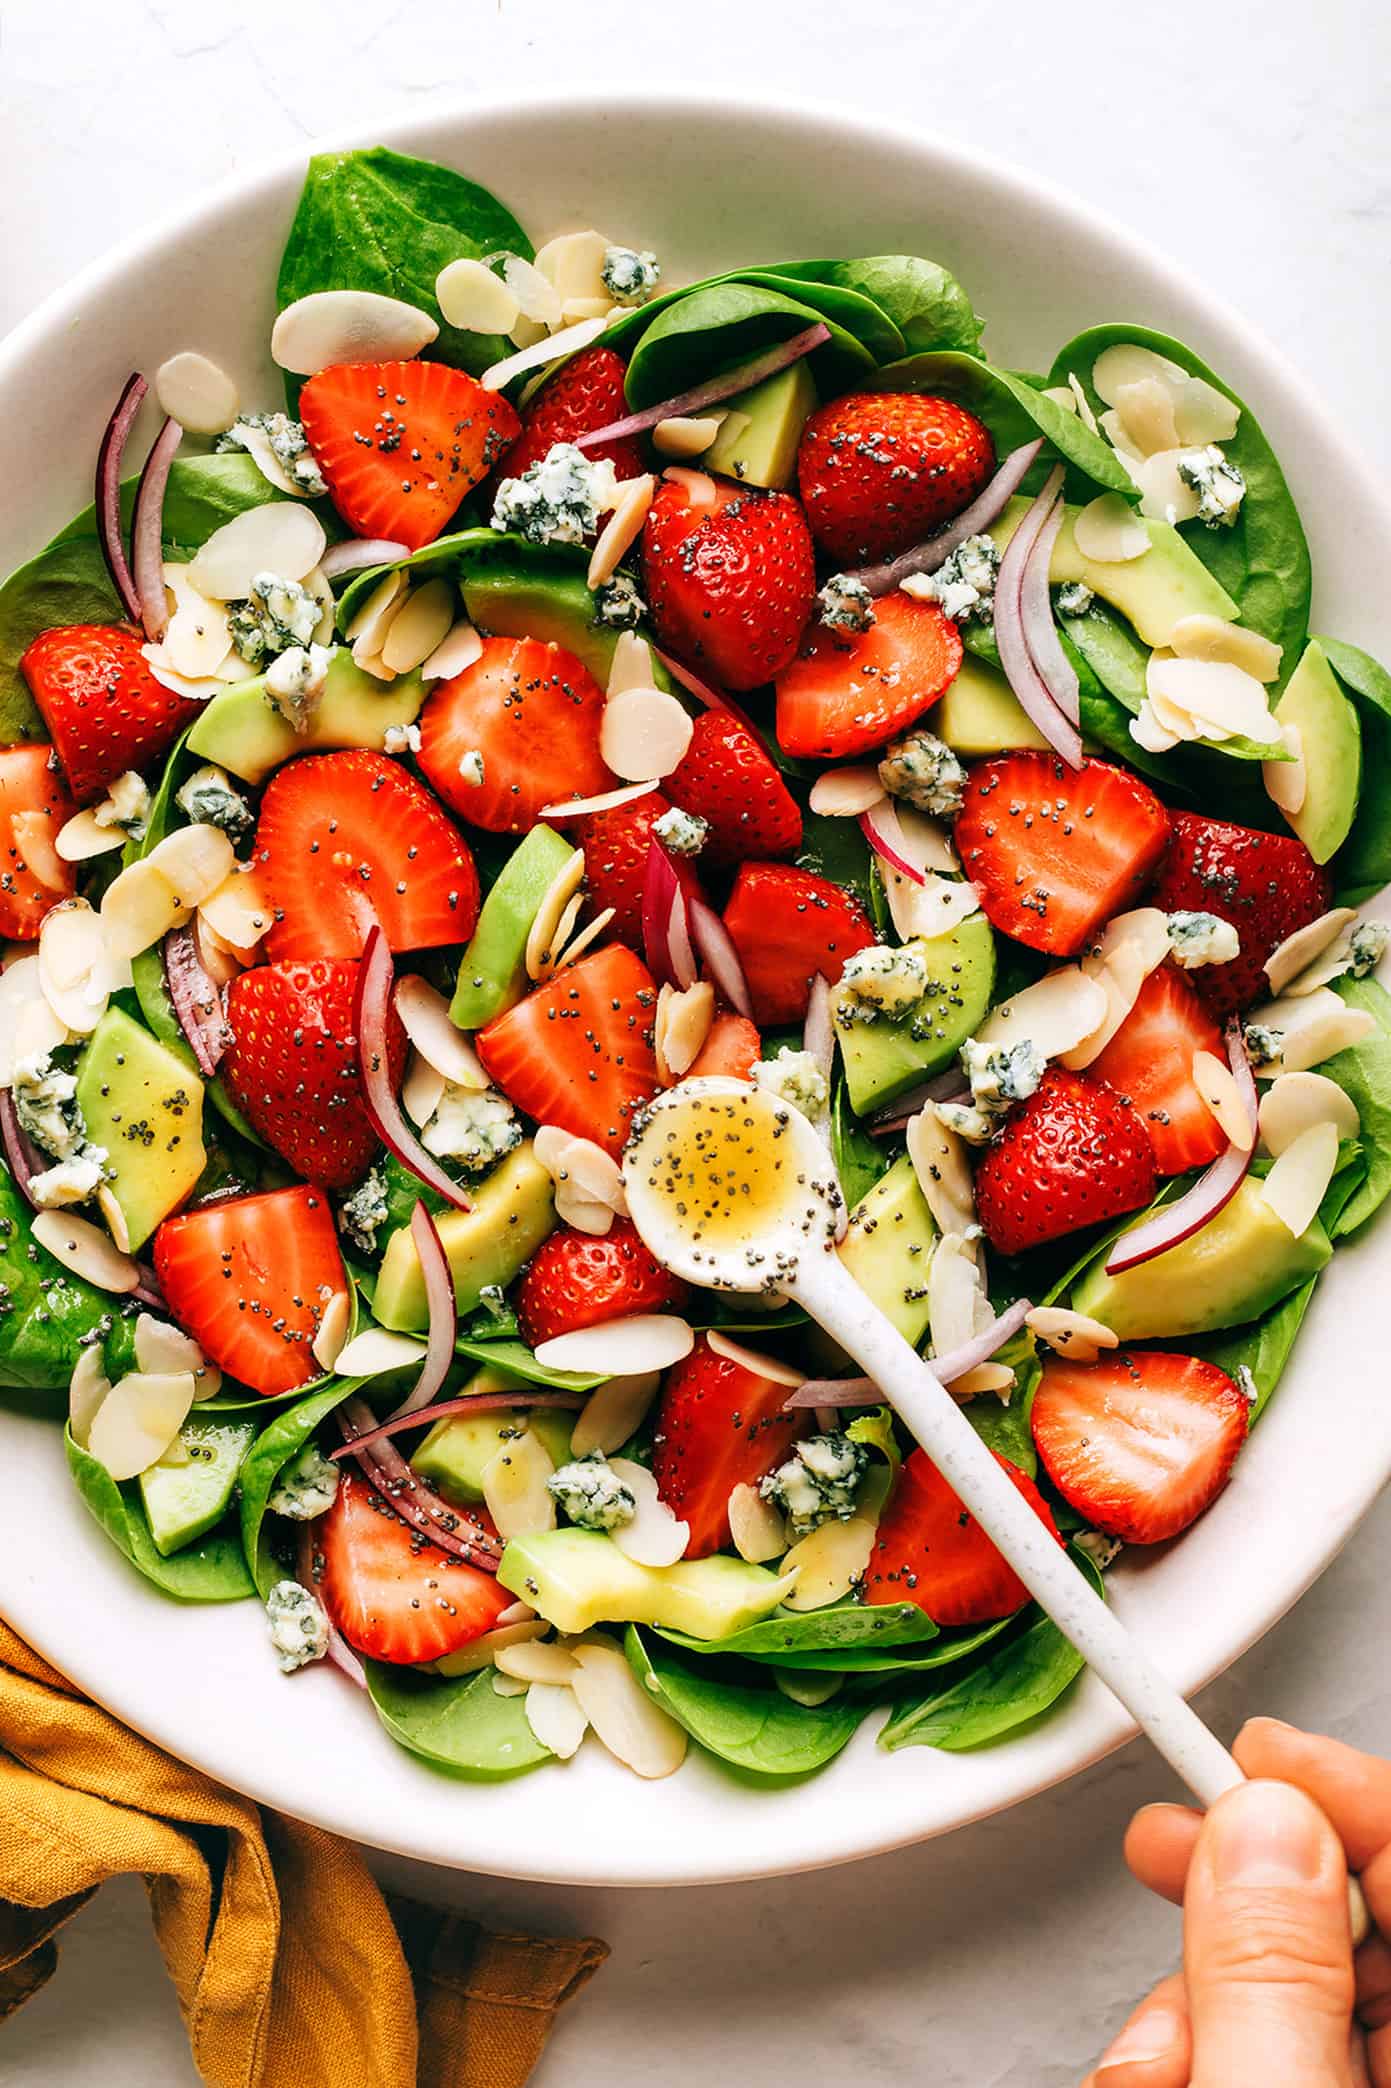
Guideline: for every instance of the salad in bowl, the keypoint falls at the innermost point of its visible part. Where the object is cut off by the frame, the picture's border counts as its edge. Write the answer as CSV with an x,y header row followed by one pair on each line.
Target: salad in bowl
x,y
579,685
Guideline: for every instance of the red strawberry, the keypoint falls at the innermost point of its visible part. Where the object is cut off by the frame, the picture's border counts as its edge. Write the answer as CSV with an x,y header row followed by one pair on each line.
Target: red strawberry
x,y
104,710
879,471
1149,1062
34,806
930,1550
730,584
616,845
250,1278
585,393
719,1425
391,1594
578,1051
843,695
401,443
730,780
292,1066
1266,885
346,839
1139,1443
1054,851
787,925
732,1048
1074,1154
533,713
575,1280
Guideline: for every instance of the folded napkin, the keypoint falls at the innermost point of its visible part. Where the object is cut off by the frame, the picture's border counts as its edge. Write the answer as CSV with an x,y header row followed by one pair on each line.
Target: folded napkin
x,y
291,1968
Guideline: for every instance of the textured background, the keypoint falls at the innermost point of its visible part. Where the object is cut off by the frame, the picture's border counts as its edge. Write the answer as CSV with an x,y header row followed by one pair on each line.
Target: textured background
x,y
1248,140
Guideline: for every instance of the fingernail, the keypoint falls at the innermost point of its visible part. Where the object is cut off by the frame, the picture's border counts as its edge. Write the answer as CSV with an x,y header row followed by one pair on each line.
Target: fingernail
x,y
1153,2035
1266,1834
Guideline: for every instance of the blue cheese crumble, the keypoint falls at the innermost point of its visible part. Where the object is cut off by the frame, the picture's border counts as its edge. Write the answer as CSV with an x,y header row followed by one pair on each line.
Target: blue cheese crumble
x,y
475,1128
363,1214
618,605
1074,599
817,1483
276,615
1366,947
298,1625
967,1122
682,833
1263,1044
295,682
471,766
964,583
288,444
210,798
1002,1074
1201,938
557,500
45,1101
795,1077
629,274
1218,483
881,981
591,1495
846,604
70,1181
924,772
126,805
401,739
307,1486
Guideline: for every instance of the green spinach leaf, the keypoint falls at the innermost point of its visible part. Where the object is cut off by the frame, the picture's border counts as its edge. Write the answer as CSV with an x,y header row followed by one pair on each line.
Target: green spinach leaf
x,y
860,1160
1006,1428
1263,1348
517,1359
212,1570
272,1450
1363,1071
836,850
458,1723
1362,865
47,1314
705,332
756,1729
1015,413
785,1638
926,303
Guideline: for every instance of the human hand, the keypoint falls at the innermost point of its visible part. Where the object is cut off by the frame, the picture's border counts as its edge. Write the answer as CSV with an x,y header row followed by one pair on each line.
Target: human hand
x,y
1271,1992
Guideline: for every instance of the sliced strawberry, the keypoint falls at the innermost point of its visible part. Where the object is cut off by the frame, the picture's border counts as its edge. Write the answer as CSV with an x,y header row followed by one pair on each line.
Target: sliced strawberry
x,y
578,1051
292,1066
733,1048
346,839
401,443
788,925
616,844
1266,885
1055,851
729,780
1074,1154
730,581
844,695
574,1280
250,1278
1149,1062
718,1426
533,713
1140,1443
929,1549
34,807
879,471
585,393
391,1594
104,710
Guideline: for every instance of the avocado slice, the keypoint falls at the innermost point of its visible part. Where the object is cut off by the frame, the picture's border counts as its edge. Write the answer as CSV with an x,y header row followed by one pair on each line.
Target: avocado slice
x,y
243,732
508,598
758,442
492,971
453,1455
1331,739
183,1501
883,1058
888,1248
579,1578
513,1211
980,713
145,1106
1155,590
1232,1270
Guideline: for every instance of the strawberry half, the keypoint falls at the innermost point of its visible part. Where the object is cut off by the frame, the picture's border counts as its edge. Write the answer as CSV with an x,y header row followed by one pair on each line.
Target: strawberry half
x,y
732,1048
731,581
616,844
249,1279
845,694
104,710
401,443
532,713
578,1051
929,1549
1266,885
788,925
391,1594
1149,1063
718,1426
575,1280
1074,1154
729,779
1055,851
1139,1443
346,839
34,807
585,393
292,1066
879,471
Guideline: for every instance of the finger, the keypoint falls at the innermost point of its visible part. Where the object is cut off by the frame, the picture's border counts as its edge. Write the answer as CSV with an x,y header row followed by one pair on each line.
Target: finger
x,y
1159,1845
1267,1948
1154,2049
1352,1789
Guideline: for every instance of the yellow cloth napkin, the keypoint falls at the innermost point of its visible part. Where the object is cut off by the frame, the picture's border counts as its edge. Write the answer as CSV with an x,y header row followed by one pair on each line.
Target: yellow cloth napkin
x,y
292,1970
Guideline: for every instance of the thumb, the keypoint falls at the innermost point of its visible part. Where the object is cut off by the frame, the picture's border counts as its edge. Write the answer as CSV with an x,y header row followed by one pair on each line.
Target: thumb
x,y
1267,1948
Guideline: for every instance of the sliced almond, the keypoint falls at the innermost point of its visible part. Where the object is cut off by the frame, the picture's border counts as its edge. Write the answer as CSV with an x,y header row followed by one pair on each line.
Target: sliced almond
x,y
1215,1082
197,393
590,308
828,1562
1312,1028
138,1420
509,1686
257,444
613,1413
371,622
985,1378
700,489
1146,409
553,958
641,1342
425,1017
376,1350
655,1536
87,1388
755,1526
1130,947
35,841
530,1661
1128,363
1062,396
954,1293
113,1217
844,793
582,1214
481,1652
541,942
1298,1182
556,1717
475,300
198,637
514,1486
218,959
1055,1014
196,861
644,732
238,912
281,536
943,1171
630,1724
931,908
1287,782
632,665
28,1026
1216,694
1082,403
539,353
454,655
762,1365
1204,637
596,1172
331,1335
574,263
1298,951
1107,532
682,1026
606,801
162,1347
1166,495
684,436
82,838
1203,414
622,530
348,326
1295,1102
1146,731
422,1090
73,962
536,295
419,627
86,1250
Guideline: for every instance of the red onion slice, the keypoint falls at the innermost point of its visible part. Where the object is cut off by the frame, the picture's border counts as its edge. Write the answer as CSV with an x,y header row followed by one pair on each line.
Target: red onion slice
x,y
147,530
416,1503
665,929
987,507
1040,631
197,1002
831,1393
21,1154
109,460
705,693
719,956
339,1651
147,1290
862,1391
882,829
469,1403
1212,1191
714,389
376,981
440,1302
946,1086
357,554
818,1032
1021,670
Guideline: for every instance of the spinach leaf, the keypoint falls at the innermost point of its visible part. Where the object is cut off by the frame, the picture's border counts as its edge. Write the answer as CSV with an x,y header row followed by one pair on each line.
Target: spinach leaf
x,y
1363,863
757,1729
1109,645
785,1638
841,305
860,1160
1105,719
1263,1348
272,1450
836,850
1015,413
1007,1428
380,220
1263,558
47,1314
926,304
1363,1071
516,1358
212,1570
704,332
457,1722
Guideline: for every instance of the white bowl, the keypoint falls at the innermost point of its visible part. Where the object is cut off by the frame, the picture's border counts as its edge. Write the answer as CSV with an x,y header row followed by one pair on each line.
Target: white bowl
x,y
706,185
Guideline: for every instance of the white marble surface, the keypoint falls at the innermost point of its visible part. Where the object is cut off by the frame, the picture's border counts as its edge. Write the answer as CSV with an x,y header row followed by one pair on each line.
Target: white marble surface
x,y
1252,146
